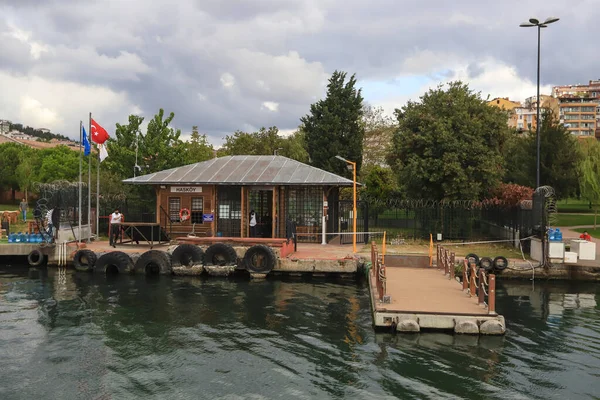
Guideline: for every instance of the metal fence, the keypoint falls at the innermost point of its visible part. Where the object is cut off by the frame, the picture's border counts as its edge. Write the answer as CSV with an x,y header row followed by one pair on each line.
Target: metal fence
x,y
456,220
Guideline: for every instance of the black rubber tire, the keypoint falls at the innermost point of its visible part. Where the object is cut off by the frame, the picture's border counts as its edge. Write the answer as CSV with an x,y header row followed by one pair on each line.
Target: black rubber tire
x,y
187,255
260,259
154,262
35,258
500,263
220,254
473,255
486,263
84,260
115,261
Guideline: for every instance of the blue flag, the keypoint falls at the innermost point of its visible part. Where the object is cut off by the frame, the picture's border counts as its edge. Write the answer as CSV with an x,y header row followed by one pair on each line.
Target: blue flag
x,y
86,143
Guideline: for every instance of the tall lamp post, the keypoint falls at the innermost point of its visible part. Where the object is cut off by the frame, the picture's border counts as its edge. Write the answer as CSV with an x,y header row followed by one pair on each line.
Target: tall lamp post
x,y
533,22
353,166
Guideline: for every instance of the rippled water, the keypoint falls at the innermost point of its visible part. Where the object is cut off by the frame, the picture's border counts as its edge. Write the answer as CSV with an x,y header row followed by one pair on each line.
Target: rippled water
x,y
80,336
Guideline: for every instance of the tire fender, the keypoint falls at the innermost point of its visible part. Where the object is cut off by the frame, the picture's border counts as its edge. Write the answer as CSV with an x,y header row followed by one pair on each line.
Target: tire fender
x,y
187,255
152,262
35,258
84,260
220,254
113,262
260,259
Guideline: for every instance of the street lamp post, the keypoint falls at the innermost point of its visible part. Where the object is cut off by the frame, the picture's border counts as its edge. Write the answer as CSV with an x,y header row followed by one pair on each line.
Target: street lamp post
x,y
353,166
533,22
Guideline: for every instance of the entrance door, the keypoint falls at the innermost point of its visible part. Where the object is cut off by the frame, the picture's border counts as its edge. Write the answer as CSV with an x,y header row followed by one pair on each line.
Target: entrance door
x,y
229,211
261,202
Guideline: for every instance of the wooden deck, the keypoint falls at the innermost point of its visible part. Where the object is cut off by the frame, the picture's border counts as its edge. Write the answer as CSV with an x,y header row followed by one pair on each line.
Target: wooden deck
x,y
427,291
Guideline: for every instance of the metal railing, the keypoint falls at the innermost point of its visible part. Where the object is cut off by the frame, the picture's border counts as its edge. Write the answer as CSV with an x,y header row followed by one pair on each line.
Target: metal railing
x,y
164,215
475,281
379,271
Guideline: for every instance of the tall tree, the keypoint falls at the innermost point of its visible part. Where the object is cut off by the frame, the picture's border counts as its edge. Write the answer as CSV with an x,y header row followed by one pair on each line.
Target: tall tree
x,y
379,130
10,156
197,148
264,142
447,145
590,175
334,126
560,157
122,148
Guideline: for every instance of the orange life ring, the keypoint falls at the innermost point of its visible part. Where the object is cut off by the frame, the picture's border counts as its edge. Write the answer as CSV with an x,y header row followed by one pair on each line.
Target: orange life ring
x,y
184,214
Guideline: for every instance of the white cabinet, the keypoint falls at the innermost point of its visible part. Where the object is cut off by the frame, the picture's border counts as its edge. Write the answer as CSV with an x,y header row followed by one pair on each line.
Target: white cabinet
x,y
585,250
556,250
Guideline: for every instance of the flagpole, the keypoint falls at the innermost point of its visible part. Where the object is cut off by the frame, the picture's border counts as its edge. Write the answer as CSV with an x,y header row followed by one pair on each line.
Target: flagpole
x,y
98,194
79,185
90,180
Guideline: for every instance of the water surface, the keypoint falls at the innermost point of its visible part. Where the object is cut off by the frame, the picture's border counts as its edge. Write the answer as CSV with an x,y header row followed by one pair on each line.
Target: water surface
x,y
80,336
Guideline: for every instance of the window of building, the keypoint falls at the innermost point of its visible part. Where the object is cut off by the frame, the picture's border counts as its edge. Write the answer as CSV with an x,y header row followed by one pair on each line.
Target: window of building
x,y
588,109
197,210
174,207
587,116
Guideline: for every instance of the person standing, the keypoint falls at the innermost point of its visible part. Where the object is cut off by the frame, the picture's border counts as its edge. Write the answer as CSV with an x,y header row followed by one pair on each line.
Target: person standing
x,y
585,236
252,223
23,209
115,227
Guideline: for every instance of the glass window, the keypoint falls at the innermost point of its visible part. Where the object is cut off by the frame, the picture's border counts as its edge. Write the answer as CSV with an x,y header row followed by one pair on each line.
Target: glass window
x,y
174,207
197,210
588,109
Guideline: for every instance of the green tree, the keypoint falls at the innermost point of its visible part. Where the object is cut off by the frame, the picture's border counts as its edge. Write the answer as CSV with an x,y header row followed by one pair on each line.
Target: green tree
x,y
121,149
264,142
58,163
590,175
25,174
379,130
197,148
294,147
448,145
560,157
334,126
10,156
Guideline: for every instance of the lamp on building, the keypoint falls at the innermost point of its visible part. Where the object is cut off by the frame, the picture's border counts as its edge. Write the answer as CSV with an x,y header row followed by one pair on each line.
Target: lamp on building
x,y
352,165
533,22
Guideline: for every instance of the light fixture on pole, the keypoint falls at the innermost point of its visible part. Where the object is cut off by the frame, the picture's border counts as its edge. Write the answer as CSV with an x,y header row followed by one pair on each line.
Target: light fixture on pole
x,y
352,166
533,22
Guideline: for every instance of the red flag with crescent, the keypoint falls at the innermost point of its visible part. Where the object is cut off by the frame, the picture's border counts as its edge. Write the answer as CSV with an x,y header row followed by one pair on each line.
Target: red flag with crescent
x,y
99,134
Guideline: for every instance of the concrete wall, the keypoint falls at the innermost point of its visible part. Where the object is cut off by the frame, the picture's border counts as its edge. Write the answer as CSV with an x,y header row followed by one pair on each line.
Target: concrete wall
x,y
68,235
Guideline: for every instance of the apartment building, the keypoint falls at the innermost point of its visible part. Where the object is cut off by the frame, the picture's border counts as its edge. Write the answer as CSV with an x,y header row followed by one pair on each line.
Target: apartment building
x,y
579,108
506,104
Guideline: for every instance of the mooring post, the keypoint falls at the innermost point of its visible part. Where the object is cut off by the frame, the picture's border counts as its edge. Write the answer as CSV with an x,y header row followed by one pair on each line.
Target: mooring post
x,y
437,257
480,289
472,276
452,261
465,277
445,258
492,295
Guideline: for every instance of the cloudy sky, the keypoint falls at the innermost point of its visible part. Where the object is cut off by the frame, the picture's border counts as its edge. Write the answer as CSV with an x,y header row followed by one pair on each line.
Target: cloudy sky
x,y
241,64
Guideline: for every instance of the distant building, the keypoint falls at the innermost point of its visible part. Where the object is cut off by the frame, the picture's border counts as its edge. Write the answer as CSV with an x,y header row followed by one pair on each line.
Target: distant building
x,y
44,130
579,108
505,103
4,126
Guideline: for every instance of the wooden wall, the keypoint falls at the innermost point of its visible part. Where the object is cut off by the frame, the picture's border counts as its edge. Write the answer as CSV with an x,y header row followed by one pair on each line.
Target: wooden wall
x,y
164,193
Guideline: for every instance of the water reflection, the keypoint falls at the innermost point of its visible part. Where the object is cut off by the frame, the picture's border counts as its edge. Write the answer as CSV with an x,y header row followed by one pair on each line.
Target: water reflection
x,y
159,337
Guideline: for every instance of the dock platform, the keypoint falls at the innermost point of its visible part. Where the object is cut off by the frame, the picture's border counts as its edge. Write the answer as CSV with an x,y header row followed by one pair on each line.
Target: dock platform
x,y
411,299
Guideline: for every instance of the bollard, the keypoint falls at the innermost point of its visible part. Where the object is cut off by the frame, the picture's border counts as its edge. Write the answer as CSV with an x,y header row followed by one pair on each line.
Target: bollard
x,y
465,278
492,294
437,257
452,261
445,261
447,266
481,293
472,279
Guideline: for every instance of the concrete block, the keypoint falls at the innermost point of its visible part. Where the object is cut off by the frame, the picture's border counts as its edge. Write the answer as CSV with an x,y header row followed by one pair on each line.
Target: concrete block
x,y
254,275
218,270
408,325
194,270
436,321
492,327
466,327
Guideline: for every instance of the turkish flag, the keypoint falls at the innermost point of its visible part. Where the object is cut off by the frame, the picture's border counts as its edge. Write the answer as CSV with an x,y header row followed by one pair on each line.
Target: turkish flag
x,y
99,134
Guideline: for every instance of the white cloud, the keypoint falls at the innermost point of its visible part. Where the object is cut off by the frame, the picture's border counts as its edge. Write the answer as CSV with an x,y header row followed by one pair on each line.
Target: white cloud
x,y
60,105
270,105
227,80
495,79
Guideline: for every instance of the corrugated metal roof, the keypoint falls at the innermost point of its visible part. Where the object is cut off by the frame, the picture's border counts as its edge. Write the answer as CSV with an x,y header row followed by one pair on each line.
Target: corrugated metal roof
x,y
244,170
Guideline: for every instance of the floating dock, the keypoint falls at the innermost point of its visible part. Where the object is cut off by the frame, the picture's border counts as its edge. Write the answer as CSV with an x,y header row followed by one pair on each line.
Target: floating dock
x,y
414,298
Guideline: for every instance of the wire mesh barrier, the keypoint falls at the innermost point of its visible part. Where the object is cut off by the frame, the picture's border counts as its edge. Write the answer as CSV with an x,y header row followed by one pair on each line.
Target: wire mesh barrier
x,y
454,220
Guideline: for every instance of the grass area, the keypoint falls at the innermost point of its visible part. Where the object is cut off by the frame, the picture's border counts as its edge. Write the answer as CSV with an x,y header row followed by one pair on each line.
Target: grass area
x,y
595,233
574,206
575,220
422,247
